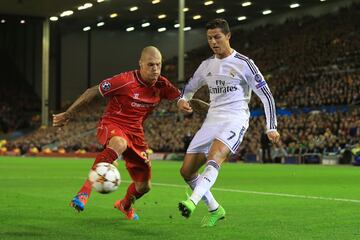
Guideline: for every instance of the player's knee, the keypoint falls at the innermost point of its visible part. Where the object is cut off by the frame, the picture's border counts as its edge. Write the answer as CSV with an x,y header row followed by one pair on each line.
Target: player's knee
x,y
119,144
219,156
146,189
182,172
143,187
185,174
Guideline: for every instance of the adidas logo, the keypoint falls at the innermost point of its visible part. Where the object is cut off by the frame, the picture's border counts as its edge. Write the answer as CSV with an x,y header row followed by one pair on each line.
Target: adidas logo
x,y
209,74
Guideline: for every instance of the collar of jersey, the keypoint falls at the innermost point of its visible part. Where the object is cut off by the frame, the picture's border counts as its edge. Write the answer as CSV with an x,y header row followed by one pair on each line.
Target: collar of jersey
x,y
231,54
141,80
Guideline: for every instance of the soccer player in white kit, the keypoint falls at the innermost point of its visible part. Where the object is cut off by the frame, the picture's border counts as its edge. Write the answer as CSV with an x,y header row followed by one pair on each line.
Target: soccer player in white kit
x,y
230,77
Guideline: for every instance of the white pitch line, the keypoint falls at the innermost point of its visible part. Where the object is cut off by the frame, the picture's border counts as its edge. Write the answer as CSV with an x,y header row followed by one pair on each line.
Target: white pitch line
x,y
264,193
215,189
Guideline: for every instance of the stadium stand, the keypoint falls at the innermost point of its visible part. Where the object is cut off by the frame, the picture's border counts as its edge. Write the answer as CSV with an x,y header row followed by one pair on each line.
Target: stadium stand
x,y
19,106
313,68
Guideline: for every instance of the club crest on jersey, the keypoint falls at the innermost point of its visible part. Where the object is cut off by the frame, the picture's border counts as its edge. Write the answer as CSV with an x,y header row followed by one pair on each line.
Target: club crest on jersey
x,y
105,86
258,78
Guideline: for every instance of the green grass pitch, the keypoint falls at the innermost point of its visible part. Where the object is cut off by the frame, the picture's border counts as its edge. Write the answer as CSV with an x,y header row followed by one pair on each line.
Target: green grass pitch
x,y
262,202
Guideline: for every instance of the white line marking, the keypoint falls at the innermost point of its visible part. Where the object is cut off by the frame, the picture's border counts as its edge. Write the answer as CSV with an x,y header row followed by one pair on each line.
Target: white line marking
x,y
264,193
215,189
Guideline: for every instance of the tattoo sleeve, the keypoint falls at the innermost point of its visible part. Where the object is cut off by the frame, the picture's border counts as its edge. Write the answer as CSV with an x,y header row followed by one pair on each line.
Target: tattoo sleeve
x,y
85,99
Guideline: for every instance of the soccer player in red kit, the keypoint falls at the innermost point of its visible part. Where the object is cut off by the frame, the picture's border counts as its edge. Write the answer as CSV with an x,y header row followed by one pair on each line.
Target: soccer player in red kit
x,y
132,96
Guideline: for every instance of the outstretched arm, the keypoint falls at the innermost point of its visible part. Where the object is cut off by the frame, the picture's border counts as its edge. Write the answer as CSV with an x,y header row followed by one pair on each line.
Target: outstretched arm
x,y
88,96
258,84
268,102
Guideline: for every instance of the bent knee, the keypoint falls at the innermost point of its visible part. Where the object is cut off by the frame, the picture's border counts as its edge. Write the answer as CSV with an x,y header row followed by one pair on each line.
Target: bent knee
x,y
119,144
143,187
186,174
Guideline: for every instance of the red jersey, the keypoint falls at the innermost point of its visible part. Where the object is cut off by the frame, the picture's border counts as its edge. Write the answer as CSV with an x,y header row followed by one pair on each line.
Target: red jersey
x,y
131,100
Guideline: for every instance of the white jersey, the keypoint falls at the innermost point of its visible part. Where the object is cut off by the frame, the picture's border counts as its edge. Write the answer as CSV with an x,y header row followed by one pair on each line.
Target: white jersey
x,y
230,81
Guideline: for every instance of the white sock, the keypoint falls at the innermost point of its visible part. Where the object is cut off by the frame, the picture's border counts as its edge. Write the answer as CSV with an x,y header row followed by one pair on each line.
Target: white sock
x,y
207,180
208,198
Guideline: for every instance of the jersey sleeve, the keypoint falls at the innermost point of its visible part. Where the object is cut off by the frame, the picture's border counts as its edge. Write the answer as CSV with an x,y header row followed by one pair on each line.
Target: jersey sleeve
x,y
110,86
195,82
169,91
258,84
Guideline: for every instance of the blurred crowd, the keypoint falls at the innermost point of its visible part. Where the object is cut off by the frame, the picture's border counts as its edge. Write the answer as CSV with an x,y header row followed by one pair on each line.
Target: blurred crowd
x,y
301,133
309,62
19,108
79,134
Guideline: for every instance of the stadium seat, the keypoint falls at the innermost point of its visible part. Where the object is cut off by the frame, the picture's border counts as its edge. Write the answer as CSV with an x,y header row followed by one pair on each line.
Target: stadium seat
x,y
291,159
250,158
311,158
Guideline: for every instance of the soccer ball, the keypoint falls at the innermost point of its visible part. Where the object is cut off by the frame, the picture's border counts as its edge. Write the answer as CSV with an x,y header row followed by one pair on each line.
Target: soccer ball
x,y
105,178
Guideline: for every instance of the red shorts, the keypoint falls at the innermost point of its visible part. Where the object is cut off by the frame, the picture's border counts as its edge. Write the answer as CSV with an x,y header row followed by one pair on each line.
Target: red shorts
x,y
135,156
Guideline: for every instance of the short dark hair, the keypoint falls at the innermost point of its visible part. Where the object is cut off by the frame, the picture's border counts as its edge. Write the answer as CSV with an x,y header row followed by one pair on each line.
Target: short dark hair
x,y
218,23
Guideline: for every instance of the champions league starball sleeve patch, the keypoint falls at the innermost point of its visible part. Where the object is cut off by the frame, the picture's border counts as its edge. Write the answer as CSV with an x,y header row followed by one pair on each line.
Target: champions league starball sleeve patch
x,y
106,86
258,78
260,81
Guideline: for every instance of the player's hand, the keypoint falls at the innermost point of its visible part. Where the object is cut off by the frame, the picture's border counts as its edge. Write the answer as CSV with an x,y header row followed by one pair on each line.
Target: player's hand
x,y
199,106
61,119
273,136
184,106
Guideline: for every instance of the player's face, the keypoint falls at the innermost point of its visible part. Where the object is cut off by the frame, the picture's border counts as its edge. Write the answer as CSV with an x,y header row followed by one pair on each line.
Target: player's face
x,y
219,42
150,68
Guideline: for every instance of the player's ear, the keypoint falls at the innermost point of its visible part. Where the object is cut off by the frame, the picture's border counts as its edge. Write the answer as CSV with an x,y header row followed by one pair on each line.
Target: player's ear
x,y
228,36
140,63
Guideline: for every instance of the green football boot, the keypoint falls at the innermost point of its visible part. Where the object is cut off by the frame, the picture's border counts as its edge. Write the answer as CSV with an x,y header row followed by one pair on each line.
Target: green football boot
x,y
210,221
187,207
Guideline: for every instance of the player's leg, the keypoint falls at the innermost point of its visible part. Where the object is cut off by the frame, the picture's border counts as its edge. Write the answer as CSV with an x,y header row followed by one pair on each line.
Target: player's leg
x,y
226,140
115,146
217,154
194,159
139,169
189,171
191,164
134,192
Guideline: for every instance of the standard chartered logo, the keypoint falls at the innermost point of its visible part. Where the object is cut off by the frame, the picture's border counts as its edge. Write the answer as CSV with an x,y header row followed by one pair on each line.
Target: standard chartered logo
x,y
221,87
143,105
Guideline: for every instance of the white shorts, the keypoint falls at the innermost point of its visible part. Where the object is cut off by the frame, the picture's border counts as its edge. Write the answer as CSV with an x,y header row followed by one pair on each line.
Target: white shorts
x,y
230,133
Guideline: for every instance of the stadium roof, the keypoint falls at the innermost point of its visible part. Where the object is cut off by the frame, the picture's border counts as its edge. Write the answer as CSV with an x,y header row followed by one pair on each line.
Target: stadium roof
x,y
148,11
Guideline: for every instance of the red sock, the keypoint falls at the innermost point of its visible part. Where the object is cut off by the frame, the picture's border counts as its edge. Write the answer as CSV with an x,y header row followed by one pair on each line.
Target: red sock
x,y
107,155
131,196
86,188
